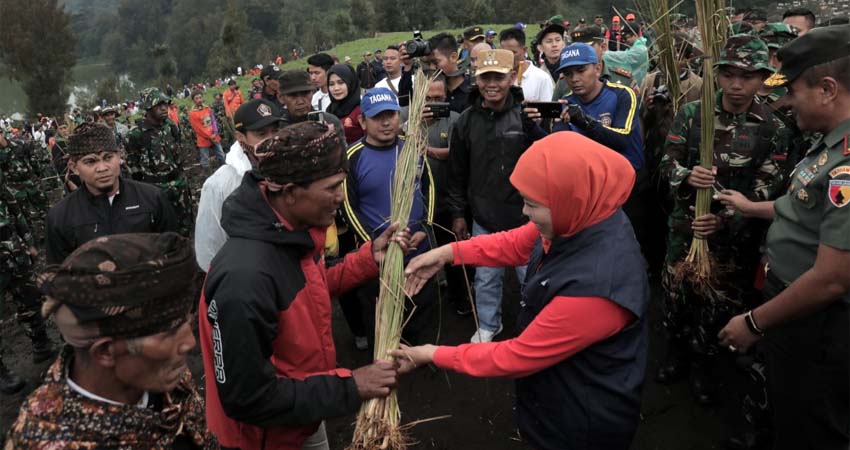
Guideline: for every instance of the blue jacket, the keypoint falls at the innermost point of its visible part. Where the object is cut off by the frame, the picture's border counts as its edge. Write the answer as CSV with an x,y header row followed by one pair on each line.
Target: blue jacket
x,y
616,121
590,400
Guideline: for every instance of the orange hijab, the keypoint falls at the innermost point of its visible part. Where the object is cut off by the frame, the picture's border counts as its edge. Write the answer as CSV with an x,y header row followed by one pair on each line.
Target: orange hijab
x,y
581,181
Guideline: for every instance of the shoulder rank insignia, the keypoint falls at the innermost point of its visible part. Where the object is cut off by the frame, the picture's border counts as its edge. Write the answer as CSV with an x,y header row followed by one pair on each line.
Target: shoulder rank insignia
x,y
623,72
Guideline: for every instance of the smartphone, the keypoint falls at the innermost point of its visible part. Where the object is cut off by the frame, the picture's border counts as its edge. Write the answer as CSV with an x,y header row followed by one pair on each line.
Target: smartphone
x,y
547,110
439,109
316,116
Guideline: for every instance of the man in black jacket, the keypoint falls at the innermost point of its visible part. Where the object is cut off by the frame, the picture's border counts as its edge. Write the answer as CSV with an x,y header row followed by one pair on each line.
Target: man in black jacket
x,y
108,203
486,142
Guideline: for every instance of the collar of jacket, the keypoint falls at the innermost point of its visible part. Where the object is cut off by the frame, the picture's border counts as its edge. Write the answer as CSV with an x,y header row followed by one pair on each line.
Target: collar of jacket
x,y
514,98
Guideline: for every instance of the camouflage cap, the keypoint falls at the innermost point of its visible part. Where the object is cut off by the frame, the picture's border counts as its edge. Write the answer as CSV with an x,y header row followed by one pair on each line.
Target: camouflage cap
x,y
777,34
124,285
747,52
741,28
91,138
151,97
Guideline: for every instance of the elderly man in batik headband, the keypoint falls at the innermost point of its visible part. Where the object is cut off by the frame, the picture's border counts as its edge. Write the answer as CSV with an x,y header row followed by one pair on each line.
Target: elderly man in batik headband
x,y
122,305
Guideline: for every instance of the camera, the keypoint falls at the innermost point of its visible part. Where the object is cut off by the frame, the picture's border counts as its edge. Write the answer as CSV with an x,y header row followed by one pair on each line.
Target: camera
x,y
661,94
418,47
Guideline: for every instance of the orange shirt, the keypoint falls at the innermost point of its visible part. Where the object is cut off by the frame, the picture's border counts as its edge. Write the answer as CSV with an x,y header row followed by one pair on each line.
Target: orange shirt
x,y
201,121
232,101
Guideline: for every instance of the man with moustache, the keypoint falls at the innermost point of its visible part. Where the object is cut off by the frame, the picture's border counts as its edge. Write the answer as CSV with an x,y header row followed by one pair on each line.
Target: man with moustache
x,y
106,203
122,304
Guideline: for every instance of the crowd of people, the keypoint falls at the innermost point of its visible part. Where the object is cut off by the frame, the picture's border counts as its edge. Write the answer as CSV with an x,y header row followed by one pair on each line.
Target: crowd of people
x,y
560,156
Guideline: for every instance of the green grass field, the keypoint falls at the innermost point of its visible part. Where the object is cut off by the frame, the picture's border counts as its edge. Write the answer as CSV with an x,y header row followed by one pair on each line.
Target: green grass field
x,y
355,50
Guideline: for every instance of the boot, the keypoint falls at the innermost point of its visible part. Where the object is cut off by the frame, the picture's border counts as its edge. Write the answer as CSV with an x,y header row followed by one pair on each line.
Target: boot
x,y
675,365
42,347
9,382
703,385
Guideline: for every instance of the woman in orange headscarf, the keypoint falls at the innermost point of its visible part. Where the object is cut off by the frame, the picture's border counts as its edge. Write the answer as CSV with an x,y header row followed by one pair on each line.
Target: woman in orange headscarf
x,y
580,356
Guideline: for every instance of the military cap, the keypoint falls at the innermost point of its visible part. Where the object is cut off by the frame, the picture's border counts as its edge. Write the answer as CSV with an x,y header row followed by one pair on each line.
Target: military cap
x,y
818,46
269,71
151,97
473,33
745,51
559,19
551,28
587,35
777,34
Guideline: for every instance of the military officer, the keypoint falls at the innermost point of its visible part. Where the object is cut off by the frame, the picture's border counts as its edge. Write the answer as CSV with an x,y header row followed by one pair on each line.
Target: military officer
x,y
803,323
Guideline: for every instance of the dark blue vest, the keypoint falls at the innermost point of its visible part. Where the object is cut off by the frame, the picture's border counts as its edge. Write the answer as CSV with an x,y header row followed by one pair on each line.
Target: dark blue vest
x,y
590,401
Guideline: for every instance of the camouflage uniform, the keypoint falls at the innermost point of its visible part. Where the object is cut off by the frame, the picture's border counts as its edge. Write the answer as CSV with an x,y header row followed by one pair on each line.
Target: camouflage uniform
x,y
16,276
23,176
746,150
154,156
224,130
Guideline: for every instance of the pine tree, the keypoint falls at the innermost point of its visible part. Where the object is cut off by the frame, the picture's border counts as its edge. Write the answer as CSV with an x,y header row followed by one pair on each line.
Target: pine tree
x,y
38,50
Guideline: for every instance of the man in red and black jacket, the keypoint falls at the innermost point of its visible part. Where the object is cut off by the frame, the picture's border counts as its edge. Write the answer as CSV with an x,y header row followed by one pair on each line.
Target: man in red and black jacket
x,y
265,311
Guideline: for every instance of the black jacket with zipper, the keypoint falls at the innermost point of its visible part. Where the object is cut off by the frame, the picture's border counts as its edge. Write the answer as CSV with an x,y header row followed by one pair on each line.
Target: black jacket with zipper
x,y
80,216
485,146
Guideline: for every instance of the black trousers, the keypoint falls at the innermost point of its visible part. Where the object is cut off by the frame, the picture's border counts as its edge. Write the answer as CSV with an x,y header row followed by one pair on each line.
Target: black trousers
x,y
808,377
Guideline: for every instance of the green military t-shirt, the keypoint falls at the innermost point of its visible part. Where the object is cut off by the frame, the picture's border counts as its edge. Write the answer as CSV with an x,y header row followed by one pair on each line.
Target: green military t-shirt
x,y
815,209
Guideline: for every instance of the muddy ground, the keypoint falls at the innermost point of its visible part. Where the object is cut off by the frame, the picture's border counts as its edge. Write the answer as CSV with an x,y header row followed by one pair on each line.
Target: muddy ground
x,y
480,409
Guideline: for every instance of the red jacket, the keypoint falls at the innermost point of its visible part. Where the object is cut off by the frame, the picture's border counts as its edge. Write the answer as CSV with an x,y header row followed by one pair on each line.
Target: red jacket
x,y
265,328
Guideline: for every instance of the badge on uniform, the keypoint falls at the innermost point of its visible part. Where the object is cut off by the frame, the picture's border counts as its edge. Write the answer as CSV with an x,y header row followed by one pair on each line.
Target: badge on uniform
x,y
839,186
605,119
805,176
802,195
824,157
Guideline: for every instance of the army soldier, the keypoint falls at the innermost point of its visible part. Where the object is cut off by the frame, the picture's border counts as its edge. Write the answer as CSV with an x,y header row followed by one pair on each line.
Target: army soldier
x,y
804,321
154,156
106,203
23,176
17,254
747,139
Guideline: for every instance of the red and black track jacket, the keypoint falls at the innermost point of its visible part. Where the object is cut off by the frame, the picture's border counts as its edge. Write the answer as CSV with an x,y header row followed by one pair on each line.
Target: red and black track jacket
x,y
265,328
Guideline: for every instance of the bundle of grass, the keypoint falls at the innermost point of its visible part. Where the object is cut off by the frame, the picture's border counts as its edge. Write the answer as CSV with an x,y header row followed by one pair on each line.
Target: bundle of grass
x,y
698,268
666,52
378,423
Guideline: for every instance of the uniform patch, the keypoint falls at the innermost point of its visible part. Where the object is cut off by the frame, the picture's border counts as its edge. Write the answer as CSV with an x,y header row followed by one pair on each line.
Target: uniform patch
x,y
805,177
839,171
839,192
622,72
802,195
605,118
823,159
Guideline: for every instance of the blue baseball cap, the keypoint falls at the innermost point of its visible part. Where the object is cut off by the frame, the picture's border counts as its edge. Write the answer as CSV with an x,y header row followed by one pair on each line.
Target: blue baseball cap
x,y
491,32
378,100
578,54
519,26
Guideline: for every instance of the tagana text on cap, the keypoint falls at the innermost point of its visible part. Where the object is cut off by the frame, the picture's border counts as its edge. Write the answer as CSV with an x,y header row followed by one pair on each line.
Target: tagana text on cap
x,y
378,100
578,54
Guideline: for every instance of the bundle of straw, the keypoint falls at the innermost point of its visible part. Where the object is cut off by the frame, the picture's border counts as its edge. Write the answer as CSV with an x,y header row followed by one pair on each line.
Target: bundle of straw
x,y
698,265
666,51
378,421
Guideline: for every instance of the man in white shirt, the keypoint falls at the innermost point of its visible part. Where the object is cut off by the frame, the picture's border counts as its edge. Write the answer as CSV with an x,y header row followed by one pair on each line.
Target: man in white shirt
x,y
254,121
537,85
317,67
392,65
